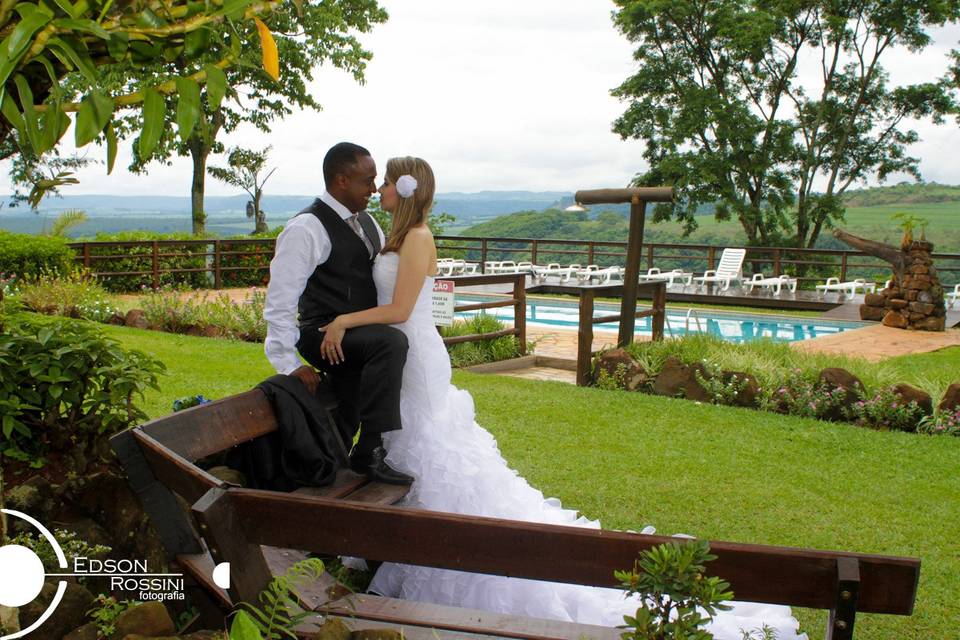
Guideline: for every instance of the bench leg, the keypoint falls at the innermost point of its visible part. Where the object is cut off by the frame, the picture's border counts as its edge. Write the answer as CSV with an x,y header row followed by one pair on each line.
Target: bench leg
x,y
222,529
844,612
160,504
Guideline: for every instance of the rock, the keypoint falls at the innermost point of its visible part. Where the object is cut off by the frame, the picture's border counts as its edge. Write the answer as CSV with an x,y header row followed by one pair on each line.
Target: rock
x,y
229,475
898,303
934,323
618,364
69,614
912,294
874,300
212,331
333,629
951,399
747,396
872,313
192,330
88,631
679,380
117,319
136,318
34,497
149,619
925,296
835,377
376,634
89,531
910,393
924,308
9,620
895,320
919,268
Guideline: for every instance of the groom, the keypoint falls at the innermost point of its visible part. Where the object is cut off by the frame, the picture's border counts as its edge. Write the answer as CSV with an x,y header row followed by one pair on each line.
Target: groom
x,y
322,268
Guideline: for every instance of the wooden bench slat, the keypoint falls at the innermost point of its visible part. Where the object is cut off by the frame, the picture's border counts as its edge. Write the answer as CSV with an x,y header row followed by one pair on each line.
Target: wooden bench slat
x,y
345,483
472,621
757,573
210,428
174,471
199,566
379,493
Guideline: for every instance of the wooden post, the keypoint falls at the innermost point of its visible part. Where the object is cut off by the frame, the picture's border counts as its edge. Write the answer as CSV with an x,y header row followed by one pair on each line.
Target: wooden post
x,y
650,256
843,614
216,264
711,258
631,275
483,255
659,310
86,256
156,265
520,311
590,252
585,338
776,263
843,267
533,252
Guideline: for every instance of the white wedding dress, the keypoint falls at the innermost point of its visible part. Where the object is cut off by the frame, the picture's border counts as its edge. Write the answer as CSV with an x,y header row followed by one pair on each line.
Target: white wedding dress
x,y
459,469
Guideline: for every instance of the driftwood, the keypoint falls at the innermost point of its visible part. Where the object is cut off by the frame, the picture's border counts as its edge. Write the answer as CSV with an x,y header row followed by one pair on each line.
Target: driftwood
x,y
891,254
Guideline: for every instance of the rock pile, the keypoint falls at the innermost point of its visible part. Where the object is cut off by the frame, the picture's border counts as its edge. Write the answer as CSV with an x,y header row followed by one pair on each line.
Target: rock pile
x,y
913,301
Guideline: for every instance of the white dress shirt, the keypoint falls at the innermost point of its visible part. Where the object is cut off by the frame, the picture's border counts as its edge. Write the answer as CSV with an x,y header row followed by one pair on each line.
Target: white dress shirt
x,y
301,247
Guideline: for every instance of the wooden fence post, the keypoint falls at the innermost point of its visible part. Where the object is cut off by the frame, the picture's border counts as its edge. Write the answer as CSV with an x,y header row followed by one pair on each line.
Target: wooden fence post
x,y
533,252
156,265
216,264
659,310
649,256
86,256
585,338
843,267
590,251
711,258
520,311
483,255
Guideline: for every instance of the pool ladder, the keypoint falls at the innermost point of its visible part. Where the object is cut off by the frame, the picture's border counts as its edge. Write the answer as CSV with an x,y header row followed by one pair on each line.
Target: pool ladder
x,y
691,313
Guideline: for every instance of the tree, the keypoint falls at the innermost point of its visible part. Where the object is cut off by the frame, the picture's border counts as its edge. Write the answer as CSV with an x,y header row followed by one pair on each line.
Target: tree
x,y
49,46
718,100
305,35
244,172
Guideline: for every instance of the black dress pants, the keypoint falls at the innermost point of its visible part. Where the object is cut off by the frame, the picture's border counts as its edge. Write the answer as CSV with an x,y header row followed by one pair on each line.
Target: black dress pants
x,y
367,381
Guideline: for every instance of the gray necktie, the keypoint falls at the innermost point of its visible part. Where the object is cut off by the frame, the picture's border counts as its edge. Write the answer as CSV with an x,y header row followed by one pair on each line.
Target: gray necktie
x,y
354,222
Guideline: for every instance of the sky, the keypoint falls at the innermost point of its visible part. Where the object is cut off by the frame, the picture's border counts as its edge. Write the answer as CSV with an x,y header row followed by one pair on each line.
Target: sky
x,y
496,95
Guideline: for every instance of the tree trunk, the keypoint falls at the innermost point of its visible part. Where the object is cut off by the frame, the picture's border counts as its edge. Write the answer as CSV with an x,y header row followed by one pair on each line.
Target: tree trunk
x,y
883,251
260,217
199,153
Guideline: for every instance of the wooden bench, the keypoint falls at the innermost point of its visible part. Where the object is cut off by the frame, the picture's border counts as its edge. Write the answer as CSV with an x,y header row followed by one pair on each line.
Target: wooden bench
x,y
261,533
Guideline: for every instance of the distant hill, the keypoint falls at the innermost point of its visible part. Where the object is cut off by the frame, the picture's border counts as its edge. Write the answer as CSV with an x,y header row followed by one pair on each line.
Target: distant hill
x,y
227,214
903,193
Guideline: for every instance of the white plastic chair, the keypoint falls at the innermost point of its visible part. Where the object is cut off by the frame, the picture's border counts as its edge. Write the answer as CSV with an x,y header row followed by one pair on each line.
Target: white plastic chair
x,y
728,271
953,296
850,286
654,274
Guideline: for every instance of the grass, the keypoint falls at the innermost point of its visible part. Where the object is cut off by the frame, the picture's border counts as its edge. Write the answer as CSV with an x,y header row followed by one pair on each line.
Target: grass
x,y
717,472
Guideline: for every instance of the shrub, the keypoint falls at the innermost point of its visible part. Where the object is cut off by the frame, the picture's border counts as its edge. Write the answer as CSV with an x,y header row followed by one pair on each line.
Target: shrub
x,y
799,395
720,388
169,310
676,592
64,385
72,294
941,423
22,253
467,354
887,410
71,545
255,272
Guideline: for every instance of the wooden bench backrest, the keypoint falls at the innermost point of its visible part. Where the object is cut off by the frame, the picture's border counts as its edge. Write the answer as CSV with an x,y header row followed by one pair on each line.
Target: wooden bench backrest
x,y
760,573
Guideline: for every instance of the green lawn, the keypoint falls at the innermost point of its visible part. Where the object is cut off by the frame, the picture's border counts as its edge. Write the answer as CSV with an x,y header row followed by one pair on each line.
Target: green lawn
x,y
717,472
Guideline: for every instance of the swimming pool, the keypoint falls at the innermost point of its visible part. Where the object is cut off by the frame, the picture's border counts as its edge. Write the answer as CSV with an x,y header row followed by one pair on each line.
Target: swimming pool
x,y
727,325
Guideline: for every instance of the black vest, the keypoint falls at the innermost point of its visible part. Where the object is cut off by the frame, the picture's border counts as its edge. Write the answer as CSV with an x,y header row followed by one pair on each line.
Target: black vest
x,y
344,283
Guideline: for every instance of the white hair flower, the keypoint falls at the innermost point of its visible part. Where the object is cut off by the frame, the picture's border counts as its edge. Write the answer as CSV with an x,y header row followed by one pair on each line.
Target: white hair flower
x,y
406,185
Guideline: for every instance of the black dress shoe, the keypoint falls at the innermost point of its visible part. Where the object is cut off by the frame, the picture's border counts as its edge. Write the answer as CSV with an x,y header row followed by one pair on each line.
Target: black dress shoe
x,y
374,466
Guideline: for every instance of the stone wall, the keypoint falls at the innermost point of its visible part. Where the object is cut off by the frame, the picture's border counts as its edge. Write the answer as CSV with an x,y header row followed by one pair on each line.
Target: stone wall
x,y
913,301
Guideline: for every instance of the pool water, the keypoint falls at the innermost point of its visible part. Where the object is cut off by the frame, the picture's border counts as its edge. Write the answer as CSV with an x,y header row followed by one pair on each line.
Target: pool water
x,y
729,326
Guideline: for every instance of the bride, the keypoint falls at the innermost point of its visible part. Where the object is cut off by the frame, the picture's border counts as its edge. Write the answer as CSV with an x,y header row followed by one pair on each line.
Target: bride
x,y
456,464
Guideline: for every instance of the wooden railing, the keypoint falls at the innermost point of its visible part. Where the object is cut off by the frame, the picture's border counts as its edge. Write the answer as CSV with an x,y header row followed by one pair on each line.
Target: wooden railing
x,y
211,258
518,302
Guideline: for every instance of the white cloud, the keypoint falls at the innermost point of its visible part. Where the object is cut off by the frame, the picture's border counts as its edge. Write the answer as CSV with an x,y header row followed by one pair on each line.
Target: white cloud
x,y
496,95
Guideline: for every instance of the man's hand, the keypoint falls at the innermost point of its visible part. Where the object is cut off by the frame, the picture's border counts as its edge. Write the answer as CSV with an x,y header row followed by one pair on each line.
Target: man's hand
x,y
308,376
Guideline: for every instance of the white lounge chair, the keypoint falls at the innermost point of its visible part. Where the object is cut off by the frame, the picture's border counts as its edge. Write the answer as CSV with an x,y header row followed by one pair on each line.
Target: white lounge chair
x,y
729,270
654,274
604,275
466,268
953,296
776,283
445,266
540,271
849,287
584,274
499,266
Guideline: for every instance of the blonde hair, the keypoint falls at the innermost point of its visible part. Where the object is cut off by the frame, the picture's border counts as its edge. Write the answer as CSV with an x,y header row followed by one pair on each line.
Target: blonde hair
x,y
414,210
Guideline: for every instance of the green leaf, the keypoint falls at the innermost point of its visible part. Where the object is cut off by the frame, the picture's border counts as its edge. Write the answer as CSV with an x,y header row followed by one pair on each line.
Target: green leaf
x,y
153,117
188,106
71,10
16,43
7,425
242,627
77,56
196,42
216,86
30,120
111,136
118,45
149,20
55,124
12,114
85,26
94,114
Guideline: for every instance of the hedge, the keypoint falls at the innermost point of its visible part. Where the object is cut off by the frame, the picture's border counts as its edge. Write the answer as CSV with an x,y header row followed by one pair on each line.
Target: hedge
x,y
22,253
